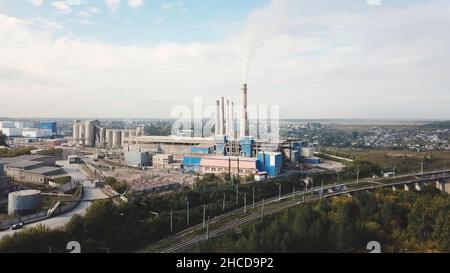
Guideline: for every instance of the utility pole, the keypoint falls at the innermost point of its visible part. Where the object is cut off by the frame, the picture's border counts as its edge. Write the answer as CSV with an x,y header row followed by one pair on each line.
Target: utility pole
x,y
304,192
321,190
293,193
262,209
171,221
237,194
421,166
312,187
223,204
338,178
187,212
204,214
245,203
279,191
357,176
84,231
393,171
253,197
207,229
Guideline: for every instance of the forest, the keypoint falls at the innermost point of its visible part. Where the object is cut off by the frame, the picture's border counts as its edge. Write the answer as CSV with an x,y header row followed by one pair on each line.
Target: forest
x,y
400,221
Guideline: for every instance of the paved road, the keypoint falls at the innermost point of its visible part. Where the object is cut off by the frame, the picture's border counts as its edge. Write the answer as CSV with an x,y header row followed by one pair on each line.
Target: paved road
x,y
90,192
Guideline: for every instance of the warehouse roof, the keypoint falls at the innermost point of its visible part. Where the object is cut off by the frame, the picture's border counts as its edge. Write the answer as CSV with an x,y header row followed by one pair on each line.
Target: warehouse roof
x,y
16,159
25,164
46,170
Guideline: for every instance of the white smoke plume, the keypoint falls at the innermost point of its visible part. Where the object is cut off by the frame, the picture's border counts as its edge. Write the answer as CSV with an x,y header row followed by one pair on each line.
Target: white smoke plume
x,y
262,25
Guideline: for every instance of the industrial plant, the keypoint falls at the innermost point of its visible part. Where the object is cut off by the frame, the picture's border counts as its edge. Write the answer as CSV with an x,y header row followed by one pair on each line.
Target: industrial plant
x,y
230,150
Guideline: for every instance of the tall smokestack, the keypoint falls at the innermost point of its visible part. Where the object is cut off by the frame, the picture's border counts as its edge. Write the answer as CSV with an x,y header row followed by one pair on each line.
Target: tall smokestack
x,y
244,115
217,118
227,123
222,116
232,121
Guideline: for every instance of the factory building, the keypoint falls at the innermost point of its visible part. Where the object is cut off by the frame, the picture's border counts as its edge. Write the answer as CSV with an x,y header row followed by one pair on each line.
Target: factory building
x,y
49,125
201,149
270,162
220,164
138,159
174,145
33,169
11,132
36,133
164,161
25,129
24,202
5,182
91,134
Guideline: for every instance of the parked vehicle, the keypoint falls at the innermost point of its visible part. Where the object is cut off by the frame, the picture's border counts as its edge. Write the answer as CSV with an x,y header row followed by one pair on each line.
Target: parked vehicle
x,y
17,226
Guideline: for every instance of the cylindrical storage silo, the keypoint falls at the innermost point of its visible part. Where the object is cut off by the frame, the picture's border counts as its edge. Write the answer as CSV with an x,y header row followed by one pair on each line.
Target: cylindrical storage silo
x,y
109,138
125,134
117,135
90,134
24,202
82,130
102,136
76,131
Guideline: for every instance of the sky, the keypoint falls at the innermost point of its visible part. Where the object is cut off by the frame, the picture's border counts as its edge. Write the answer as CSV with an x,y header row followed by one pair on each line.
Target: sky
x,y
376,59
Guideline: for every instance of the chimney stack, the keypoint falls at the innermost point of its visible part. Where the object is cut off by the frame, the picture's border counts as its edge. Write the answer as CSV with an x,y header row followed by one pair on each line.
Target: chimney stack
x,y
217,118
244,130
222,116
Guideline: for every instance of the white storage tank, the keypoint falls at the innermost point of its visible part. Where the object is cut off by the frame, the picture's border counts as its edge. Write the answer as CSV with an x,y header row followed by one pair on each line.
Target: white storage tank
x,y
90,134
76,130
109,138
82,135
117,139
24,202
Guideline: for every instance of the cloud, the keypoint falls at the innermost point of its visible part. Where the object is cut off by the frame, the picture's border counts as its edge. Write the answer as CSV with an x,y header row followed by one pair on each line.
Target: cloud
x,y
93,10
166,5
61,6
36,2
49,23
113,5
135,3
388,62
83,14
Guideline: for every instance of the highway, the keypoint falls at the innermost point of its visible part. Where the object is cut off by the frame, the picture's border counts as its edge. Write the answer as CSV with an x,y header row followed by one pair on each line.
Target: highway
x,y
90,192
192,236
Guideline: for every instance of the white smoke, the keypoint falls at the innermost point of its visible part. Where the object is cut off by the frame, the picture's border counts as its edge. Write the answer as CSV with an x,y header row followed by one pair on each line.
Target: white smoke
x,y
262,25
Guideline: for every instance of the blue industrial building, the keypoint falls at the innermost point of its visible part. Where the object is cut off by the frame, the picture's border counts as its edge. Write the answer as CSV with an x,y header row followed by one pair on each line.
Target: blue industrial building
x,y
311,160
297,146
201,149
247,144
270,162
49,125
192,163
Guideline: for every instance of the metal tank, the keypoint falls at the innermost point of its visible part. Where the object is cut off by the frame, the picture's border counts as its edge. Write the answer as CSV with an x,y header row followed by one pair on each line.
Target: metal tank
x,y
82,131
76,130
109,138
24,202
89,140
117,138
125,134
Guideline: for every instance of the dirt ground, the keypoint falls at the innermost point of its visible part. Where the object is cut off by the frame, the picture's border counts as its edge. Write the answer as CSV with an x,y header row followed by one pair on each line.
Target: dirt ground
x,y
141,180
